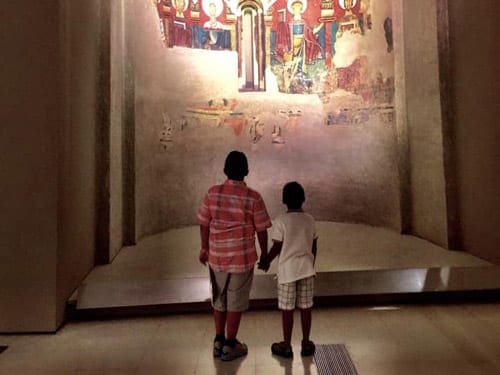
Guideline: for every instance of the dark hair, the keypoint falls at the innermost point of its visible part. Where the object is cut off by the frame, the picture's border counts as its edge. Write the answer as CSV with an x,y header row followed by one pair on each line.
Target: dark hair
x,y
236,166
293,195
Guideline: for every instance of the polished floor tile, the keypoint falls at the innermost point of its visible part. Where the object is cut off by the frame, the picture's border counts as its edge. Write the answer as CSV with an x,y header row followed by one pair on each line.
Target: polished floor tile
x,y
444,339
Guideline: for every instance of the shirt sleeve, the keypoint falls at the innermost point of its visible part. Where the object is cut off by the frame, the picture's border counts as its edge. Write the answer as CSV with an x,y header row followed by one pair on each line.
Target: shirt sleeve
x,y
204,216
261,219
278,231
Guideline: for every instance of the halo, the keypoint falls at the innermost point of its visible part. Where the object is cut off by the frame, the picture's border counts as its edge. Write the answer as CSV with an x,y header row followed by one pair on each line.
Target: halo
x,y
186,3
342,3
290,2
218,7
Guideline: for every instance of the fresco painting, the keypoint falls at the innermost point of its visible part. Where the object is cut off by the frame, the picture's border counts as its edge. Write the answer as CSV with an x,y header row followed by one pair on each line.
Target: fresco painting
x,y
303,43
294,39
305,88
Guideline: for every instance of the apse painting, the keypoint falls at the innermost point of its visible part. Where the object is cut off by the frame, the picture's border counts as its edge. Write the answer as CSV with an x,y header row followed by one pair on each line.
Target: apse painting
x,y
304,87
337,51
296,40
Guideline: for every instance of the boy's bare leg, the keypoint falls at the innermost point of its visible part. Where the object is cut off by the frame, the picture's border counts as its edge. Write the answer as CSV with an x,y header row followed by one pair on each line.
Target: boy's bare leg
x,y
287,321
233,323
220,321
305,317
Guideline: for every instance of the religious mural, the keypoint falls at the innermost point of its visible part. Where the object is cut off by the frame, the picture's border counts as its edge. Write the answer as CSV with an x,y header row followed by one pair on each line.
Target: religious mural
x,y
296,40
304,87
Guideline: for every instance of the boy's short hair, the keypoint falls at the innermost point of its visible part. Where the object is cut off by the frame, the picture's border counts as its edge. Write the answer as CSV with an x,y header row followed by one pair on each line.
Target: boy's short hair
x,y
236,166
293,195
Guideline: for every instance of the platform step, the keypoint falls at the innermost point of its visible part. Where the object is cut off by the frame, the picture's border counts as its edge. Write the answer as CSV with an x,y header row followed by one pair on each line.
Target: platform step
x,y
126,298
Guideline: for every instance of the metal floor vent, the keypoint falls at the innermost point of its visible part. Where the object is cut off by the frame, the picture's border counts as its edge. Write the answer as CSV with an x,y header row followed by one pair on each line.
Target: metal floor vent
x,y
334,359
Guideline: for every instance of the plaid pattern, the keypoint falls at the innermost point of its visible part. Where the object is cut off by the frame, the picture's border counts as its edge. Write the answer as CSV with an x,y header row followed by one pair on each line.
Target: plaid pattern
x,y
296,294
233,212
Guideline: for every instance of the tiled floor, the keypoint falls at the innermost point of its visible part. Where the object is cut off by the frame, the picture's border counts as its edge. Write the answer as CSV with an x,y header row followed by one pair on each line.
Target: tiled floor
x,y
402,340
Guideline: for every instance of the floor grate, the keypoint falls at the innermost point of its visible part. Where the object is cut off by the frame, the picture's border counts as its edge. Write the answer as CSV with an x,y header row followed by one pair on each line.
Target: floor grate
x,y
334,359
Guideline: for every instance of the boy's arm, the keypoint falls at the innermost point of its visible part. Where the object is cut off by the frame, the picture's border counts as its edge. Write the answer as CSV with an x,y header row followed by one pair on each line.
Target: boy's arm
x,y
275,251
315,248
265,262
204,234
262,237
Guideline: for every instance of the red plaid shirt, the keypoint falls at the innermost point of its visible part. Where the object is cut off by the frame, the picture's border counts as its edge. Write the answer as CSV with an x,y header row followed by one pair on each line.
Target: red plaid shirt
x,y
233,212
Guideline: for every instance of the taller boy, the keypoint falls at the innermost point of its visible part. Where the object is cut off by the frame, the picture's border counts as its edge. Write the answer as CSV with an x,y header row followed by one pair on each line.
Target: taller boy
x,y
229,217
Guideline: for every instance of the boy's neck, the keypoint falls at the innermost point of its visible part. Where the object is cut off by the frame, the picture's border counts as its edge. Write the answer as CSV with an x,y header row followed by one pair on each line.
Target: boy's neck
x,y
295,210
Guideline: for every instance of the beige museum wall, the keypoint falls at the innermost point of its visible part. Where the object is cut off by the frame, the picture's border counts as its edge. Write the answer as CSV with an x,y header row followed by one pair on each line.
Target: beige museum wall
x,y
47,168
475,73
80,33
428,212
29,123
117,66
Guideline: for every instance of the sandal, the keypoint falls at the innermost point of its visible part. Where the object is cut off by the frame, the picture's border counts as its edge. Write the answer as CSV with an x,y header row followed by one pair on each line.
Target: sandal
x,y
282,349
308,348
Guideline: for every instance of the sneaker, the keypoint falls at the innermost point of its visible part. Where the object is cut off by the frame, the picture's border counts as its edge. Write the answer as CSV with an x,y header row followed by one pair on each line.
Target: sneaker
x,y
233,350
308,348
218,344
282,349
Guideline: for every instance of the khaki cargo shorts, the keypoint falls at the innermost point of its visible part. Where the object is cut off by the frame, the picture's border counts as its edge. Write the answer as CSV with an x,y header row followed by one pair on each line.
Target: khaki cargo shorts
x,y
231,291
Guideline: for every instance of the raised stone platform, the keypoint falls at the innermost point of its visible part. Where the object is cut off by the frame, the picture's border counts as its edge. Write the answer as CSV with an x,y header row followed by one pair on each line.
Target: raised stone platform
x,y
183,295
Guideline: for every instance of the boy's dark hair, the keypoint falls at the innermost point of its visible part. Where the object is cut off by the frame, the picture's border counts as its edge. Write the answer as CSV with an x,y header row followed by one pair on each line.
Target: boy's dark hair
x,y
236,166
293,195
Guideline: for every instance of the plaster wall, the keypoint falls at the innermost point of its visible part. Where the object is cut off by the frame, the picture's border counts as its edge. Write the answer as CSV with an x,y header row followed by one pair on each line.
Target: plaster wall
x,y
401,117
47,173
80,29
349,172
116,126
30,119
475,73
423,117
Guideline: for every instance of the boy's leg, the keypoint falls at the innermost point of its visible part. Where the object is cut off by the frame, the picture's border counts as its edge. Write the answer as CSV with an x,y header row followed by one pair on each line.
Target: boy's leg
x,y
220,326
238,293
305,289
233,323
286,303
219,304
232,348
287,322
220,321
305,317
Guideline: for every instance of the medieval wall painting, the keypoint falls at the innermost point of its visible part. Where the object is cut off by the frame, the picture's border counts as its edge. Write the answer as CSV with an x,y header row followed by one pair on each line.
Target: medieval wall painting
x,y
304,87
295,39
298,47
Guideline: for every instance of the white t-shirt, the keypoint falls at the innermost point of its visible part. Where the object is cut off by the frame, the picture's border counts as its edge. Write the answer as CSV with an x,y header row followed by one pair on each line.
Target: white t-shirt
x,y
297,231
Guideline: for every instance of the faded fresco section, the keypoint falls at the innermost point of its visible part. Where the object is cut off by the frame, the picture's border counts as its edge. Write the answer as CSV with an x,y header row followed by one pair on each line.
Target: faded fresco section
x,y
331,127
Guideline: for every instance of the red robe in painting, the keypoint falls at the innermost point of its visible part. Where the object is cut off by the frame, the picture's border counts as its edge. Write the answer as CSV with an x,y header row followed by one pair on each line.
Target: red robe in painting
x,y
284,43
180,33
312,46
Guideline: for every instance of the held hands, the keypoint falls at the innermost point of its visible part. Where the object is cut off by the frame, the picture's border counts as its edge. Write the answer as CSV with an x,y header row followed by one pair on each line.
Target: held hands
x,y
264,263
203,257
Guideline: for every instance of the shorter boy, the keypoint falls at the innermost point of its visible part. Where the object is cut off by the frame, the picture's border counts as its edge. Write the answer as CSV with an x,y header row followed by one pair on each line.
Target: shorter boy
x,y
294,240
